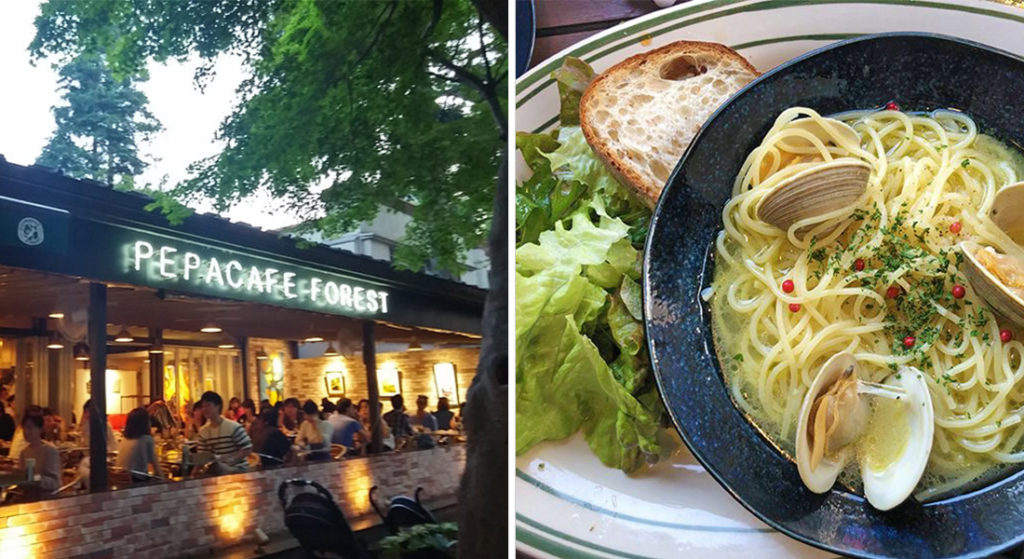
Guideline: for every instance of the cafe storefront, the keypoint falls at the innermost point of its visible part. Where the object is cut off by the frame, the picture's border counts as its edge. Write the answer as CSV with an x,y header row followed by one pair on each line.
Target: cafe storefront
x,y
101,299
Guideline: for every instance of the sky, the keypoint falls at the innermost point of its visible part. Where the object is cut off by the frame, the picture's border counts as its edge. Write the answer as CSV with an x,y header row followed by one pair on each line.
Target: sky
x,y
190,118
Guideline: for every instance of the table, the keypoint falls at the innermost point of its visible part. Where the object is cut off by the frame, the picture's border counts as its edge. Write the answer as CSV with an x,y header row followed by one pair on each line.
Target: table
x,y
562,23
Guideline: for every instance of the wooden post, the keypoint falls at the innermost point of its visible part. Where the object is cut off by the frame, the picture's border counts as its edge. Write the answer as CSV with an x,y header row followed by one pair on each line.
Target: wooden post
x,y
370,361
243,344
156,367
98,394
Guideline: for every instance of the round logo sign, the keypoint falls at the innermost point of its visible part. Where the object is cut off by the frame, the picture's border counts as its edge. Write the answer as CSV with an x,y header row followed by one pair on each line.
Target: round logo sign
x,y
30,231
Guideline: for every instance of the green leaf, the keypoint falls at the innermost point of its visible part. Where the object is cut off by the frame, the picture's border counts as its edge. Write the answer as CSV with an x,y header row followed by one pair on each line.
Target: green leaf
x,y
627,331
632,298
572,77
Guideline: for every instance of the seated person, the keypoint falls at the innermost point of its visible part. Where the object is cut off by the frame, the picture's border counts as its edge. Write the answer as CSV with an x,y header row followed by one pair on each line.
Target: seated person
x,y
224,439
291,418
314,433
268,440
53,426
346,425
195,422
137,451
397,419
443,415
87,410
423,419
46,457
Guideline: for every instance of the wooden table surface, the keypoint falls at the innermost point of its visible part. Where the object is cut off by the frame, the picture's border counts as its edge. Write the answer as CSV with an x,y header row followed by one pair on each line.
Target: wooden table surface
x,y
561,23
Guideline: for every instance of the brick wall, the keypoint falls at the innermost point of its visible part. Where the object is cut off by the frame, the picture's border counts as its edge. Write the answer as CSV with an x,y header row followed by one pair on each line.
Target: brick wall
x,y
196,516
304,378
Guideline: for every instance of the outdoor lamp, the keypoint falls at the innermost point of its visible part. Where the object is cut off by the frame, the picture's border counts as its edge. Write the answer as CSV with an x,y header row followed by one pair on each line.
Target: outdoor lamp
x,y
55,342
124,336
81,351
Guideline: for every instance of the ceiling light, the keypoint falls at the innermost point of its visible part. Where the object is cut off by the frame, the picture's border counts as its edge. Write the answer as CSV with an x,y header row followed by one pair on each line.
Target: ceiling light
x,y
56,315
157,348
211,328
261,355
226,343
124,336
313,339
55,342
415,346
145,360
81,351
331,352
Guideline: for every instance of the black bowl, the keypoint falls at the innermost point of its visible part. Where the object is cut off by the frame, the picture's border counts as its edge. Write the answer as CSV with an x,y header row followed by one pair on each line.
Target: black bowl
x,y
920,72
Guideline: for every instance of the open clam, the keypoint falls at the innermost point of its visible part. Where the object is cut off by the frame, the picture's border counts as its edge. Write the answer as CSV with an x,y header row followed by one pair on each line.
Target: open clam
x,y
999,278
814,192
825,130
834,428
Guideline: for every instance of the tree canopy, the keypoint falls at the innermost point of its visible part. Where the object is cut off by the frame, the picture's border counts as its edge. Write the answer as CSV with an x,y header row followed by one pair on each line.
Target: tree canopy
x,y
98,126
349,106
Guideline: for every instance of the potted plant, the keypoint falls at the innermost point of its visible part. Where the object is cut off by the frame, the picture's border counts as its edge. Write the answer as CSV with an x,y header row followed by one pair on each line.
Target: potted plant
x,y
423,541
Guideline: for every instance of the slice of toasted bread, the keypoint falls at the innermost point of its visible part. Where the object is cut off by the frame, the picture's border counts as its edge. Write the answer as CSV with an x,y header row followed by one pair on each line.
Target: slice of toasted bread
x,y
642,113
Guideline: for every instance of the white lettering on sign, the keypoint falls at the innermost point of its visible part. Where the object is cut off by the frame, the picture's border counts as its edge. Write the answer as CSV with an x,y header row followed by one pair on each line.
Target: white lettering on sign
x,y
143,251
164,262
289,285
191,263
229,270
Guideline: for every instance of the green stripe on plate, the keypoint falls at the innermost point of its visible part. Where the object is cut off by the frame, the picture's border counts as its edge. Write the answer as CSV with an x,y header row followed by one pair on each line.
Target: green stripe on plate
x,y
558,548
630,31
618,515
794,38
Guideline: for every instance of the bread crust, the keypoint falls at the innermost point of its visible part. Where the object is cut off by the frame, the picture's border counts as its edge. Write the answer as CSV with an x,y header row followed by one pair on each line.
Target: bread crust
x,y
601,145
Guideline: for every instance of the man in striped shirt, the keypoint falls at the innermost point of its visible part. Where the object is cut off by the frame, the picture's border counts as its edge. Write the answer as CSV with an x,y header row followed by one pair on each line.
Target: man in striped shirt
x,y
225,439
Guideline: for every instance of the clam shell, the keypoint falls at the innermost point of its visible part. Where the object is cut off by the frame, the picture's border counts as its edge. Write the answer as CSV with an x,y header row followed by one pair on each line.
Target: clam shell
x,y
814,192
988,286
1008,211
890,486
821,478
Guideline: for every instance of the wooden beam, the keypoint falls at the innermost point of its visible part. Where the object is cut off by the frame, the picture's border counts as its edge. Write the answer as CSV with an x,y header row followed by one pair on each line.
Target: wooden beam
x,y
98,395
370,361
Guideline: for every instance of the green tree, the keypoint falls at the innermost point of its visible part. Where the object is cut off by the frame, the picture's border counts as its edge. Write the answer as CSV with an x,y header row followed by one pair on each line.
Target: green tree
x,y
98,127
349,106
352,105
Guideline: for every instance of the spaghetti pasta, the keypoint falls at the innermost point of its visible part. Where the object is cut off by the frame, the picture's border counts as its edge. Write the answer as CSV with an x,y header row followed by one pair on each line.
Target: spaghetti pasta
x,y
876,279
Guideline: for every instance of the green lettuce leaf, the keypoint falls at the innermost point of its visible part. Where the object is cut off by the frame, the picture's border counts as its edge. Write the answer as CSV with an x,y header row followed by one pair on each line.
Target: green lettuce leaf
x,y
573,78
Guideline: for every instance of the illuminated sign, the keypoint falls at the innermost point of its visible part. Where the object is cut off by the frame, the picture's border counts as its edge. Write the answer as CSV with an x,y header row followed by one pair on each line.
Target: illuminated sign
x,y
245,277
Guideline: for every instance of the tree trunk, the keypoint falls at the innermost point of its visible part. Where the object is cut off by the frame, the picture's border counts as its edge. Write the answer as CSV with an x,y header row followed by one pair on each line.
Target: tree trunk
x,y
483,494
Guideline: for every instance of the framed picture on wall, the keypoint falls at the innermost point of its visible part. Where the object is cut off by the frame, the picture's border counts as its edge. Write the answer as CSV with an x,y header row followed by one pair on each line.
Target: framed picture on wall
x,y
335,381
389,382
446,383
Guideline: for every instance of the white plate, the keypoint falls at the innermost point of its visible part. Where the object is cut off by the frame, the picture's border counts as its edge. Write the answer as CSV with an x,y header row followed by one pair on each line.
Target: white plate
x,y
567,503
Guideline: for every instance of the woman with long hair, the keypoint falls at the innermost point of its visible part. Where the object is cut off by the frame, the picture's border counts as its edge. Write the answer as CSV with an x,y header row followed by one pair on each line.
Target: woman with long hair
x,y
137,451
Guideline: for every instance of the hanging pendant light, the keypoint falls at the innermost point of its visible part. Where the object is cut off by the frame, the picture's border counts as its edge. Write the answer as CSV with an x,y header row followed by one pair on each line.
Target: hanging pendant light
x,y
124,336
81,351
55,342
261,355
211,328
56,314
226,343
415,345
157,348
330,352
313,339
